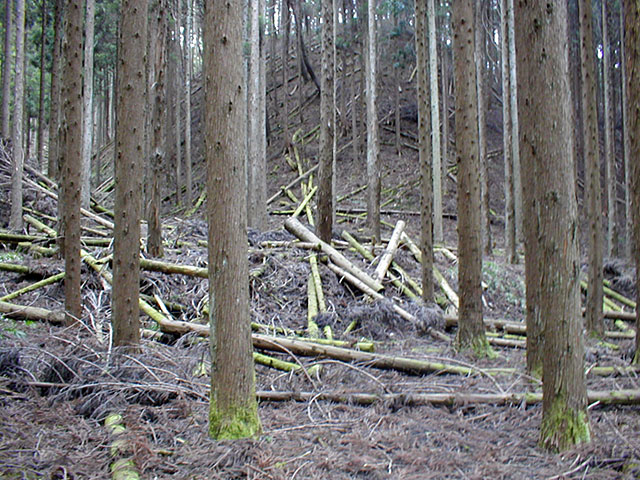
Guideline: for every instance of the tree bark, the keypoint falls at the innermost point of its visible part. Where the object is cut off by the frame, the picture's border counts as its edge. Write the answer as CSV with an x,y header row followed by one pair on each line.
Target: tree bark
x,y
285,26
188,72
628,231
593,206
257,186
87,129
436,155
327,127
507,141
71,145
611,178
425,150
158,118
233,407
6,71
471,331
131,92
546,140
373,145
632,65
15,220
43,63
481,89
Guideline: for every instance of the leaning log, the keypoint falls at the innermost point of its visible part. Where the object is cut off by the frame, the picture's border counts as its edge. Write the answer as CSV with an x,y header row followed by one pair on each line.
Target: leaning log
x,y
294,226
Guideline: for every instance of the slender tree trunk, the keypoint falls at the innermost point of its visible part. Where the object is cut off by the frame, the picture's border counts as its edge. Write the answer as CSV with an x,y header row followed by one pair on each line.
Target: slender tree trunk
x,y
425,151
471,327
15,221
233,405
436,156
54,102
373,145
87,130
71,145
594,321
159,142
515,144
130,138
177,67
327,126
6,70
481,89
257,188
187,125
41,116
355,97
285,25
545,136
445,104
396,84
611,178
628,240
632,67
507,141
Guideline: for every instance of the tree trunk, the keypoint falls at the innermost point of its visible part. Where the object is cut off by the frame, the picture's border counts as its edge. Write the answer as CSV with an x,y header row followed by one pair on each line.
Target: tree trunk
x,y
507,141
436,156
628,230
481,89
327,126
545,136
87,129
43,63
257,187
611,178
632,66
594,321
15,221
159,141
177,67
71,145
130,138
471,330
425,151
515,145
233,407
285,26
6,71
54,102
444,80
373,145
188,72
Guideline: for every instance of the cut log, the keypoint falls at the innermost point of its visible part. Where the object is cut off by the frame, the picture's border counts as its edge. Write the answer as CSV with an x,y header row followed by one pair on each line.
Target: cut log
x,y
389,252
614,397
294,226
31,313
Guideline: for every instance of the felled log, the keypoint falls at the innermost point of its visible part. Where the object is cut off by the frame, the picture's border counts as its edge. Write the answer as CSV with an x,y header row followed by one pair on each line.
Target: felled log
x,y
23,312
613,397
389,252
294,226
375,360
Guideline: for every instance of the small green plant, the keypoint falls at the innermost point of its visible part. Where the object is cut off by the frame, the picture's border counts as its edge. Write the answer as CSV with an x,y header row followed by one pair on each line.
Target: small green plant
x,y
10,256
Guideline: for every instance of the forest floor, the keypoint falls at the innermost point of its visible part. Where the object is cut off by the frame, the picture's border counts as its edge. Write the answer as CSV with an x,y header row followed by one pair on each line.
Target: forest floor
x,y
58,385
